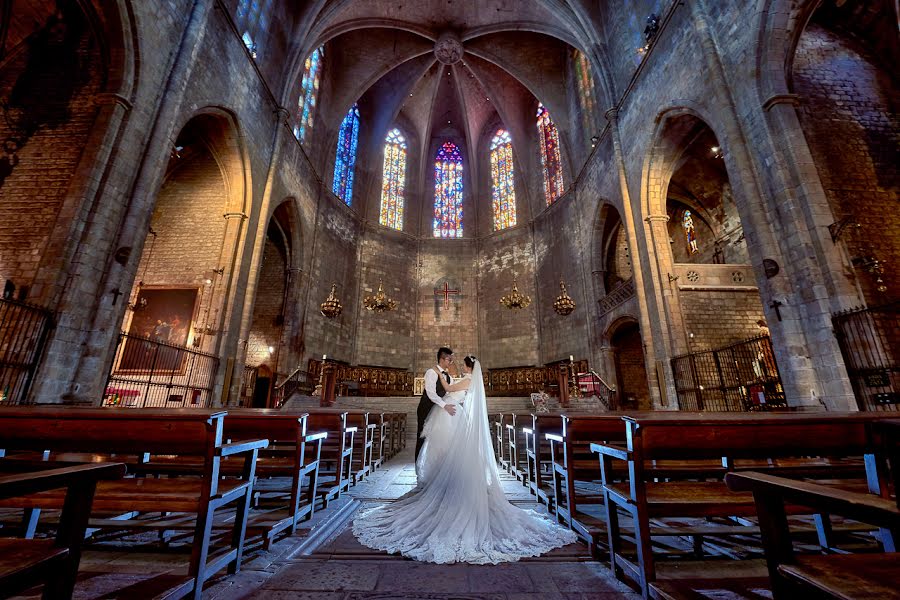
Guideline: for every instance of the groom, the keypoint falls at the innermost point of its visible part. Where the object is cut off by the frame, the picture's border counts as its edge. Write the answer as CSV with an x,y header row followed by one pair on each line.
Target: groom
x,y
434,393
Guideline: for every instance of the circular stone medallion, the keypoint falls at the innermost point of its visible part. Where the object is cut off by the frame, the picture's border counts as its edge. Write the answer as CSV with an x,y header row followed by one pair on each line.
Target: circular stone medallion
x,y
448,49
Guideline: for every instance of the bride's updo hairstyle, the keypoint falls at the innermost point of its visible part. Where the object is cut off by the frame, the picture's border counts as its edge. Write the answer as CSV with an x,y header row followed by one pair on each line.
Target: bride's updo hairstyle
x,y
470,361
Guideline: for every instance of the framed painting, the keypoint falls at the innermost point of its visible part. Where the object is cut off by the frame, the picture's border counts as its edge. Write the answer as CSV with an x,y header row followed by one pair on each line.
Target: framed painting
x,y
160,328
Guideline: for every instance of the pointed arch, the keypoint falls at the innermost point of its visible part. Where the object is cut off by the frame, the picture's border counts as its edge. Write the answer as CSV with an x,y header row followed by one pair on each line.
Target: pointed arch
x,y
550,158
448,192
503,188
393,180
309,92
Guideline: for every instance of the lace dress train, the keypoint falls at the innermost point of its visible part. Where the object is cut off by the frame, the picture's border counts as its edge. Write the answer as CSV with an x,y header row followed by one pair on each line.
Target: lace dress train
x,y
458,511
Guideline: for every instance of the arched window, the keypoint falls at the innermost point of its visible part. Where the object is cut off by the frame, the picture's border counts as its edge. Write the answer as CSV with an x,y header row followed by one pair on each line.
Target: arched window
x,y
252,17
549,142
393,180
690,232
448,192
309,91
503,188
585,82
345,156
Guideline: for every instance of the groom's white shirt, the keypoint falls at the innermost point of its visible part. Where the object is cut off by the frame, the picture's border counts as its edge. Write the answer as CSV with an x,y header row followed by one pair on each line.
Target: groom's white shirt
x,y
431,377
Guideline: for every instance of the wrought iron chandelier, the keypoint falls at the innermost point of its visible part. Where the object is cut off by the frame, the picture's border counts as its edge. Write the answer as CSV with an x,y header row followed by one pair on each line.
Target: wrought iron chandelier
x,y
564,305
515,299
379,302
332,307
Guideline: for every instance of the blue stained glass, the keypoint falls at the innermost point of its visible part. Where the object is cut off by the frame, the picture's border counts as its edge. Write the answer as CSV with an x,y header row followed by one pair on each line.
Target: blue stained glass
x,y
345,156
448,192
393,180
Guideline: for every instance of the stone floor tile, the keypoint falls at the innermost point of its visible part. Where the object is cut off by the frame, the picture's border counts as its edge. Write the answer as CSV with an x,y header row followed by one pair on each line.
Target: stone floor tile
x,y
327,576
417,577
507,578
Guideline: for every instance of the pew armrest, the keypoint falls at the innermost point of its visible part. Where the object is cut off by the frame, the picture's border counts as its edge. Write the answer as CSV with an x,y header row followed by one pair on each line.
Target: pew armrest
x,y
312,437
611,450
867,508
350,430
554,437
242,446
21,484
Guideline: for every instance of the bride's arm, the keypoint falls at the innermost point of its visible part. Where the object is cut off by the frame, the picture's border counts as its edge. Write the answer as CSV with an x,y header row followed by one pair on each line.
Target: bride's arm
x,y
455,387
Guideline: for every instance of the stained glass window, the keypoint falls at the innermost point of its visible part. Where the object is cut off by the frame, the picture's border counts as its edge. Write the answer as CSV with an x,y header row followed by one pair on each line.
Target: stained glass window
x,y
503,187
393,180
252,17
345,156
549,142
309,90
448,192
690,232
585,81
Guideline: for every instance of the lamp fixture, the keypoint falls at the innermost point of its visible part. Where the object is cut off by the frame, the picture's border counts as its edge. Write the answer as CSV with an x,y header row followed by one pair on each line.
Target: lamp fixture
x,y
563,305
515,299
379,302
332,307
875,267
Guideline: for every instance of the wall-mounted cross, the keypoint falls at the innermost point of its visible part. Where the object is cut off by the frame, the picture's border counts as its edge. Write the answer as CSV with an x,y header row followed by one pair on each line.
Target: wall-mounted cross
x,y
115,294
776,305
446,292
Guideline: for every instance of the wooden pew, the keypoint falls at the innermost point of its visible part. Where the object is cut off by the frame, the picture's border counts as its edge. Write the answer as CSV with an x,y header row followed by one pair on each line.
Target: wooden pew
x,y
538,456
361,457
703,438
382,423
832,576
515,442
572,460
501,448
51,562
294,453
337,451
184,432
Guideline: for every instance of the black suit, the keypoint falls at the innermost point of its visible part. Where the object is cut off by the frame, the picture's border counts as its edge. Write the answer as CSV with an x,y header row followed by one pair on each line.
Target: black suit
x,y
425,405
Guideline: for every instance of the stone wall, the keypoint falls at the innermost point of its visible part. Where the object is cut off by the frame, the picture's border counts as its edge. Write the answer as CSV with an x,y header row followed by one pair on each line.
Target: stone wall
x,y
850,119
720,318
267,328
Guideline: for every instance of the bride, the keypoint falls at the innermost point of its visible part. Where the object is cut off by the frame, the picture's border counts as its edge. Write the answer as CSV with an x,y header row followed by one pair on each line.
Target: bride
x,y
458,511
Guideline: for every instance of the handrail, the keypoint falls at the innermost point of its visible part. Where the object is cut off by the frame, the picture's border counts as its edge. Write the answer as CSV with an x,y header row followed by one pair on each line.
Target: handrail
x,y
607,394
600,379
299,368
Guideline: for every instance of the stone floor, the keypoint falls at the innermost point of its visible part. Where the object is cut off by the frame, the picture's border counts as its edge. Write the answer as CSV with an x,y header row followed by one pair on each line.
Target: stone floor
x,y
328,564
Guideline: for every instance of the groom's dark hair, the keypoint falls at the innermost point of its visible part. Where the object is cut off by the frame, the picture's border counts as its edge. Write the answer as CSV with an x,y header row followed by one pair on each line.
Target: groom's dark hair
x,y
444,352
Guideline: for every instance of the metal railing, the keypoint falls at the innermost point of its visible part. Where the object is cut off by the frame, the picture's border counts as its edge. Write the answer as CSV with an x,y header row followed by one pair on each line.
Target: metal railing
x,y
591,384
147,373
298,381
23,332
869,339
739,377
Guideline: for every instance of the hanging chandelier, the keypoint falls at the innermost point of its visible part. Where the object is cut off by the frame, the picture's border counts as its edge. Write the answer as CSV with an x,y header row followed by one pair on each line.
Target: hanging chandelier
x,y
564,305
515,299
379,302
332,307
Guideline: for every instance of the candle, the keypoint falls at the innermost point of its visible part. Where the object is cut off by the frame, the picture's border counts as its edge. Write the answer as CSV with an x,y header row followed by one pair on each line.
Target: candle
x,y
571,358
324,356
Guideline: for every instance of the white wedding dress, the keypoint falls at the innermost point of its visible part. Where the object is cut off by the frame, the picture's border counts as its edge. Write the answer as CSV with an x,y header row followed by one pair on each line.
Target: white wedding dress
x,y
458,511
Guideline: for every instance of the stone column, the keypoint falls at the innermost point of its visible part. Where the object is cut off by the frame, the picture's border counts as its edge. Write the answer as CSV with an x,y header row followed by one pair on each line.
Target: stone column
x,y
655,346
665,270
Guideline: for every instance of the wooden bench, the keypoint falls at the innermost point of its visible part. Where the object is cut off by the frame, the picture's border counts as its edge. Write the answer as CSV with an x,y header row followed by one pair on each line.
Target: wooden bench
x,y
382,423
193,433
337,451
538,458
361,457
833,576
500,424
52,562
294,453
515,442
699,439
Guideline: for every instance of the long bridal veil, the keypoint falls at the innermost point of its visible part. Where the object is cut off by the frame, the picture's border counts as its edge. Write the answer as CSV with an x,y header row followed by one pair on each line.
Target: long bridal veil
x,y
460,514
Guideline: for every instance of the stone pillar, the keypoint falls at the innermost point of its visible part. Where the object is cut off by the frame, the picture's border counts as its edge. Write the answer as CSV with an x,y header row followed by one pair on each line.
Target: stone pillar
x,y
329,384
655,346
665,270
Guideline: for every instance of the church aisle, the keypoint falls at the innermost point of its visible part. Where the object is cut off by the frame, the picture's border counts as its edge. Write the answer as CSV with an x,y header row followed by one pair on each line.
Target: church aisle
x,y
342,569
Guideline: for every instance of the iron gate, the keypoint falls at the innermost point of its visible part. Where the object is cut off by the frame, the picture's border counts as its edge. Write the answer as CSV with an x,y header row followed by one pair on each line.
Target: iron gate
x,y
23,333
870,343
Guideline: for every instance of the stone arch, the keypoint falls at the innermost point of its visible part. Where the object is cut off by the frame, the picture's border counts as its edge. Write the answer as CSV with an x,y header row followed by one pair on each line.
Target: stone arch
x,y
611,260
840,67
624,340
191,241
689,166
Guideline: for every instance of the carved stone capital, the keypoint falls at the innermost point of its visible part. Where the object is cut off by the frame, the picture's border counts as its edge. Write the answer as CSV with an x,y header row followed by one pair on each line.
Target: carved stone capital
x,y
789,99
